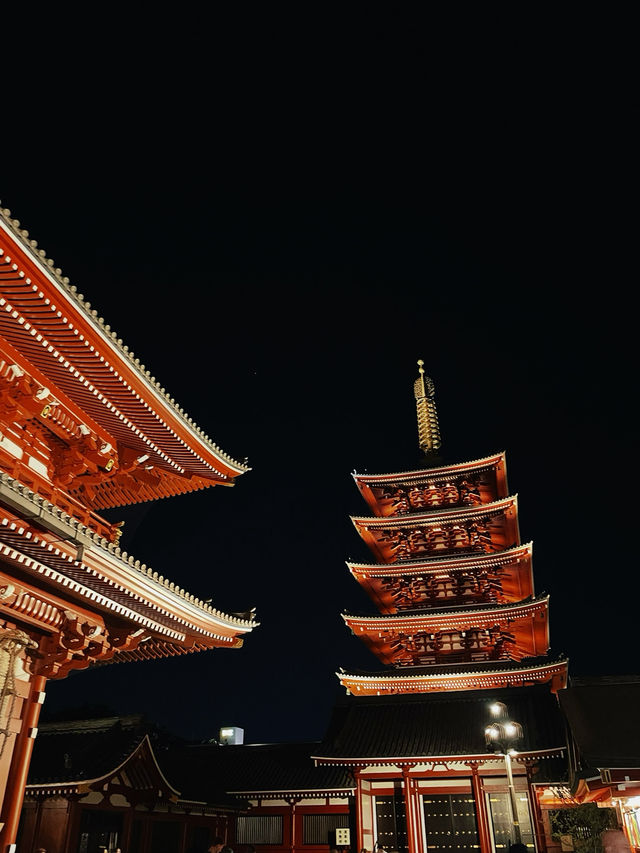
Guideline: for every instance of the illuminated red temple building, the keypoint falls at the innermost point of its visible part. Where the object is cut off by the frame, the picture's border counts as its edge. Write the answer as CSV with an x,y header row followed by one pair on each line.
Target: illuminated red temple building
x,y
459,626
84,427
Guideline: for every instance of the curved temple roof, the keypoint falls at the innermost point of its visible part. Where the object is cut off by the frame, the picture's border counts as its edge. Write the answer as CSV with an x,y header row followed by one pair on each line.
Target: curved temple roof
x,y
45,319
71,379
105,580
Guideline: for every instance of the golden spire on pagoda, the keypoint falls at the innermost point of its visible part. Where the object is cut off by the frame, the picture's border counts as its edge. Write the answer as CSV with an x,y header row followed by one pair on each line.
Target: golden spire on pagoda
x,y
428,429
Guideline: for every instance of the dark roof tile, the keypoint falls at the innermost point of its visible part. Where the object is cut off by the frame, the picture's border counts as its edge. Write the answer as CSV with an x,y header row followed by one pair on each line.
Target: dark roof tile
x,y
438,724
208,769
83,749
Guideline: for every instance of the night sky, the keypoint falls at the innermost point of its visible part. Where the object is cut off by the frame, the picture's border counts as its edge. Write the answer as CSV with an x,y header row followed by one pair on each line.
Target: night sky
x,y
282,289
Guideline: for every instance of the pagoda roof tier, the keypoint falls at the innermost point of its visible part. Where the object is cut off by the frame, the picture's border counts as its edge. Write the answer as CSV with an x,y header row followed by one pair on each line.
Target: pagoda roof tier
x,y
91,385
488,528
442,635
57,566
393,494
483,675
501,577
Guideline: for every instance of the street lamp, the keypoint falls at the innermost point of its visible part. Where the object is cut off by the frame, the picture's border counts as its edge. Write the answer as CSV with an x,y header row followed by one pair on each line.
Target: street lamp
x,y
501,735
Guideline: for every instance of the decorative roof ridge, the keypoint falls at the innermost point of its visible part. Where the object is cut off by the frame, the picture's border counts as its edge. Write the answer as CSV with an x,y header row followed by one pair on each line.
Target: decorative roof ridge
x,y
486,460
55,273
531,663
433,563
114,551
418,517
464,610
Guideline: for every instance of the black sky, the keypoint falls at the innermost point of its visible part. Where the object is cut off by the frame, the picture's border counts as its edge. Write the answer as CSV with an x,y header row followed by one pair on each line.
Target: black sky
x,y
280,276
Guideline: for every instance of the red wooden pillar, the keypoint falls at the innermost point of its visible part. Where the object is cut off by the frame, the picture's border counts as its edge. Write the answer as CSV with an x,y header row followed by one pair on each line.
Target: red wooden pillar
x,y
17,779
359,826
412,809
484,828
292,831
364,813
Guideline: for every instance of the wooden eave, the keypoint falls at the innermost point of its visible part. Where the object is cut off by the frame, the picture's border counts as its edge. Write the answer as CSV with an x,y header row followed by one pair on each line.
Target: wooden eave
x,y
528,620
372,528
517,582
303,793
446,564
448,619
595,790
366,482
68,421
497,676
87,365
110,582
445,758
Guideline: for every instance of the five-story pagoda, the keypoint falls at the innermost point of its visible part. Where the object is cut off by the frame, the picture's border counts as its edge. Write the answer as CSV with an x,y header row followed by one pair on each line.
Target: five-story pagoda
x,y
462,633
452,581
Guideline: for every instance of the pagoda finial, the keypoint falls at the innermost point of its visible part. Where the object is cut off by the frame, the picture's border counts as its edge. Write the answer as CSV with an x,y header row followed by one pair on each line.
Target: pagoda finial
x,y
428,429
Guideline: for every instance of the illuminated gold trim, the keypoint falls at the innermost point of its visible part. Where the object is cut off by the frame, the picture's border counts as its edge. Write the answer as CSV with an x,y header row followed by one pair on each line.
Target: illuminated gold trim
x,y
428,429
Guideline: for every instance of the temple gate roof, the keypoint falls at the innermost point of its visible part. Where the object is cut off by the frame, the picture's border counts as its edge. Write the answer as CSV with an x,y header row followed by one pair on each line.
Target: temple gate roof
x,y
85,427
93,383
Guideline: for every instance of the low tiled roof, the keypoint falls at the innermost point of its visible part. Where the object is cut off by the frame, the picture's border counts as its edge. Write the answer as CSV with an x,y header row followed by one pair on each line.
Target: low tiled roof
x,y
76,751
603,718
79,750
205,770
438,724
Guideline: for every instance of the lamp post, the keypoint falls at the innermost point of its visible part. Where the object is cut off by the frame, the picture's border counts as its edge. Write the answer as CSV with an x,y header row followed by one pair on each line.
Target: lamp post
x,y
502,734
